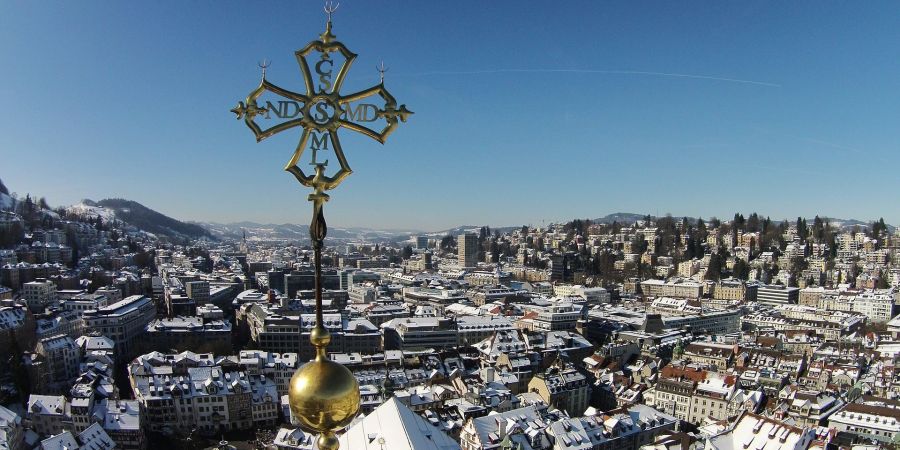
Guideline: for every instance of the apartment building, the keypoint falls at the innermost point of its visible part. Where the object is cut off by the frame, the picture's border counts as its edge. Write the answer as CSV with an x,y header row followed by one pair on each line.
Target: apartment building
x,y
124,322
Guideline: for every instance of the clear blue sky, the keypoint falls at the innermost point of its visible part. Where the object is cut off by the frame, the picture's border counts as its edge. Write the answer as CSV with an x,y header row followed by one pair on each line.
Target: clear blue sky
x,y
525,111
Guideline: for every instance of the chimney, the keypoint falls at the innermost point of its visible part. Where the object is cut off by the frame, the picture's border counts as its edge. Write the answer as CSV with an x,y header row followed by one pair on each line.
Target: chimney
x,y
488,374
501,428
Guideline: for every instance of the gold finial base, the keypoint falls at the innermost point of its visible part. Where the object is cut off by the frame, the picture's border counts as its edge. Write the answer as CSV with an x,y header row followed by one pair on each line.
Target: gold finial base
x,y
324,397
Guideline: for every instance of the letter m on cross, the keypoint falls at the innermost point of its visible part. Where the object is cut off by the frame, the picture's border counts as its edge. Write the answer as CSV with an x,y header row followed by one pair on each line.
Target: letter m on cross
x,y
319,142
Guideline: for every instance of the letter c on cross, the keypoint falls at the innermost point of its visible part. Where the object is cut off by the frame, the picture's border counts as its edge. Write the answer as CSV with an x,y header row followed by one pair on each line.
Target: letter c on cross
x,y
324,77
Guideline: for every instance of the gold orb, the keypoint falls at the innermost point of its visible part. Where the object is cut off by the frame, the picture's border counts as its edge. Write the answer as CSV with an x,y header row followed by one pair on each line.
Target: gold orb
x,y
324,396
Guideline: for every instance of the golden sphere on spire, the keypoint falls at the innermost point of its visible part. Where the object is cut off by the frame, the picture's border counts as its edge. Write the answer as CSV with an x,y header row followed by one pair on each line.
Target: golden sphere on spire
x,y
324,397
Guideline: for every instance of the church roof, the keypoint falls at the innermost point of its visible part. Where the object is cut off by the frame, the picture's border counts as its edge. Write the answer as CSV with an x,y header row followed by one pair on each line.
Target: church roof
x,y
392,425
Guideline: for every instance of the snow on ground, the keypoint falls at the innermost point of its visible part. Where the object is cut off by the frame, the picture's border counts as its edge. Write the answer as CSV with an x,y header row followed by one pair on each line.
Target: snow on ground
x,y
6,202
92,211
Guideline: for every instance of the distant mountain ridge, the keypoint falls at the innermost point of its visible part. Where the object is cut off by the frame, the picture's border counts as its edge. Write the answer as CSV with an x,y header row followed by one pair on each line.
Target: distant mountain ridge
x,y
139,216
298,232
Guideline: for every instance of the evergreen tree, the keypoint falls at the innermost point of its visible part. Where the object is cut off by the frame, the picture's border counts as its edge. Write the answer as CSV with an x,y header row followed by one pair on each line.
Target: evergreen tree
x,y
714,269
818,229
639,244
448,243
878,228
495,252
831,241
738,222
28,211
17,368
753,223
802,230
882,281
741,270
690,250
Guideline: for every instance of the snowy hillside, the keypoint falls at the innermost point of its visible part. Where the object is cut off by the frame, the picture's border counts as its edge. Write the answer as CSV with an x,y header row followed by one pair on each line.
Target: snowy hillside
x,y
90,209
6,202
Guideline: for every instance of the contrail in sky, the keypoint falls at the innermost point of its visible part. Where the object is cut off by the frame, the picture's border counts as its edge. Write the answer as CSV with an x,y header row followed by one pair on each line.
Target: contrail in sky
x,y
605,72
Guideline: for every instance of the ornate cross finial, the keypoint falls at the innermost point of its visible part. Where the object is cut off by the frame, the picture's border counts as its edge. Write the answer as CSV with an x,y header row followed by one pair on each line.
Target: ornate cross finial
x,y
321,111
381,70
324,396
264,64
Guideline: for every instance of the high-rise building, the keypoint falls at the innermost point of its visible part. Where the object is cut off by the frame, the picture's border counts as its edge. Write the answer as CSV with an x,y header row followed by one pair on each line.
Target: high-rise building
x,y
467,248
422,242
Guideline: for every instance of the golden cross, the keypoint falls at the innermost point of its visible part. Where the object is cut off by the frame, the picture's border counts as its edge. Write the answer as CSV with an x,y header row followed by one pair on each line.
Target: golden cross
x,y
322,110
324,396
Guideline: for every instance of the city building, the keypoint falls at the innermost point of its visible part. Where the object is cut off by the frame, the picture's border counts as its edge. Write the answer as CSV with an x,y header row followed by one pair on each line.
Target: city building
x,y
17,326
467,250
592,295
557,316
85,302
472,329
711,399
563,387
124,322
289,333
871,418
628,428
12,431
776,294
186,392
752,431
62,358
523,425
678,288
735,290
279,367
188,333
39,294
48,414
198,291
419,333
